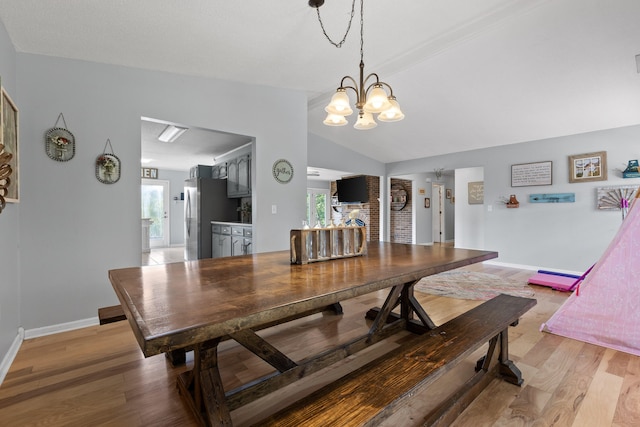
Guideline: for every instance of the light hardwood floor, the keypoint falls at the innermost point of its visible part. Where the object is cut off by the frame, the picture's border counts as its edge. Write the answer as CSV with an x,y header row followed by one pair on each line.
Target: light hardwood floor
x,y
98,376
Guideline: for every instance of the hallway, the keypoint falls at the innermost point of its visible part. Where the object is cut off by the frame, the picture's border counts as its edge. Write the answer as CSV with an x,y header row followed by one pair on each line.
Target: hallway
x,y
159,256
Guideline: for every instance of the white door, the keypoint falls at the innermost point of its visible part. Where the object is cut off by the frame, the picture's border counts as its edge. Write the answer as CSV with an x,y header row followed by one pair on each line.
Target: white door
x,y
438,214
155,205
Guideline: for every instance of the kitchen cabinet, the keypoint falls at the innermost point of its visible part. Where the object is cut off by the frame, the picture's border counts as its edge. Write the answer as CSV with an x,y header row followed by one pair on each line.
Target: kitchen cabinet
x,y
229,239
239,176
219,171
220,240
241,240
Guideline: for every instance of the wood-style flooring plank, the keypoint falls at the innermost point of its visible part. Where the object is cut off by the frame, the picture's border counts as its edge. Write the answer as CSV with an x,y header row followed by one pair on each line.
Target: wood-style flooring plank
x,y
98,376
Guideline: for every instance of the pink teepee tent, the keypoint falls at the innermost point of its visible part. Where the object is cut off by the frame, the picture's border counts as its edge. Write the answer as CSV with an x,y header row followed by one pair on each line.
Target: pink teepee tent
x,y
606,310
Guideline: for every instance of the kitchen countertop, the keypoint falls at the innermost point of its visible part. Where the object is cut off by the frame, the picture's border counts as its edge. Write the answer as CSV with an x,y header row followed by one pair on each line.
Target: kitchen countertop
x,y
243,224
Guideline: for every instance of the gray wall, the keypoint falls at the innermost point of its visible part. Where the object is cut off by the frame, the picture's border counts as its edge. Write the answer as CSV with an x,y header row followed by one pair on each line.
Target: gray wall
x,y
564,236
9,223
74,229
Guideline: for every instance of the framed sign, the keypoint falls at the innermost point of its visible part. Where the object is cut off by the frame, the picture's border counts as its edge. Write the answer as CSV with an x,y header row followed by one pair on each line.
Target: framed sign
x,y
150,173
476,193
531,174
588,167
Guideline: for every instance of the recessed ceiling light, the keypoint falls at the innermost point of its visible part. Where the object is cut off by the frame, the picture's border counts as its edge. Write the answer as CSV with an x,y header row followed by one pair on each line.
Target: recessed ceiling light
x,y
171,133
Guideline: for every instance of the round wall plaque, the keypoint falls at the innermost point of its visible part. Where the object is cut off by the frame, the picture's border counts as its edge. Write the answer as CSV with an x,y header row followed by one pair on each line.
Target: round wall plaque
x,y
282,171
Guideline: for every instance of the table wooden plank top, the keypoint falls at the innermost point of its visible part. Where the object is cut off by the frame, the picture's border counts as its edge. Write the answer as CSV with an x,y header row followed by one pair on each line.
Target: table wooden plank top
x,y
181,304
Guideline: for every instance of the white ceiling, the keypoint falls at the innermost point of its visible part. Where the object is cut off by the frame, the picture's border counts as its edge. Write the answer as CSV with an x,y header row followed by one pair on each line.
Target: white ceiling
x,y
467,73
194,147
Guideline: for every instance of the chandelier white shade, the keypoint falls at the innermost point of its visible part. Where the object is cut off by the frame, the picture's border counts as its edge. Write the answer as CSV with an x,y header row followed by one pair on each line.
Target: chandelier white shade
x,y
371,98
365,121
335,120
339,104
392,114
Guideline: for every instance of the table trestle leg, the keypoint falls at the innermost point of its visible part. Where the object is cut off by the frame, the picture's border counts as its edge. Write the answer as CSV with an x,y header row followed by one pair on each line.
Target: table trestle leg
x,y
383,314
412,305
250,340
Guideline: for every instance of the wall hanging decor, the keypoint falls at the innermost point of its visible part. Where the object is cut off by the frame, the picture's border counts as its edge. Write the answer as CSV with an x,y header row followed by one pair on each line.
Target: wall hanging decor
x,y
531,174
616,198
59,143
5,174
476,193
108,165
632,170
552,198
588,167
9,139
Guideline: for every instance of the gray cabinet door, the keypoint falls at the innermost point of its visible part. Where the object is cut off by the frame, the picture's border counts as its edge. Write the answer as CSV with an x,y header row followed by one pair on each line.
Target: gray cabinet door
x,y
232,178
244,175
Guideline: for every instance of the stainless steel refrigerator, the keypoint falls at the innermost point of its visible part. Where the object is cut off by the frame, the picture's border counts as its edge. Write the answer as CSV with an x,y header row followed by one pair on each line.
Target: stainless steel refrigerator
x,y
205,200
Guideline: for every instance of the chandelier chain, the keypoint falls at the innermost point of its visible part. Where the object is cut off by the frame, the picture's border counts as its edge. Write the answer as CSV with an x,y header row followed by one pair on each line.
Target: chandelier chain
x,y
361,30
341,42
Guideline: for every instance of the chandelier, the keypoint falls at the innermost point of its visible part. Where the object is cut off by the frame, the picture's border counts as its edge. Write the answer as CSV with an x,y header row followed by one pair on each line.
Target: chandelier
x,y
371,93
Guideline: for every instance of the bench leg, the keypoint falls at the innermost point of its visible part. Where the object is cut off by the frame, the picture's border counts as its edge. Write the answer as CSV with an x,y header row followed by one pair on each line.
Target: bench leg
x,y
508,370
483,363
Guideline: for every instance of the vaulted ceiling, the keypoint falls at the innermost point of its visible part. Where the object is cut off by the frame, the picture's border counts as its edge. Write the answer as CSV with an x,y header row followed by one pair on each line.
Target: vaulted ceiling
x,y
467,73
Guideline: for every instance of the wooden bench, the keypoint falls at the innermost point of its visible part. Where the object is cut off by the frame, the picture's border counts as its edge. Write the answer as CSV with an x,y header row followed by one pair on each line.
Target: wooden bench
x,y
111,314
373,392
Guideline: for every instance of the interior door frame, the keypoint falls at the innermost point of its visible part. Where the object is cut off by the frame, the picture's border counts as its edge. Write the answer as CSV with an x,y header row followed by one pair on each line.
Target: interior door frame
x,y
165,242
438,217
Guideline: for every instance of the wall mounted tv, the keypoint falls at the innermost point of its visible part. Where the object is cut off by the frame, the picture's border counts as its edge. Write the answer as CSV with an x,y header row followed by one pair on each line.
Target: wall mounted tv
x,y
352,190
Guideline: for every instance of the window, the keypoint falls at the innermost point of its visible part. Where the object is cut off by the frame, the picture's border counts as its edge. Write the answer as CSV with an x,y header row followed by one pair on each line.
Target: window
x,y
318,207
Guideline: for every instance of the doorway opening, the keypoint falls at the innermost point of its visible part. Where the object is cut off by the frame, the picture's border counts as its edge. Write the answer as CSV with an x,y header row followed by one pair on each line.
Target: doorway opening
x,y
438,217
318,207
155,209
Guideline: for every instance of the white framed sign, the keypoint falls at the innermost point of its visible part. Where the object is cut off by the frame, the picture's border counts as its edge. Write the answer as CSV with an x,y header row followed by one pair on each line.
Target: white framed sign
x,y
531,174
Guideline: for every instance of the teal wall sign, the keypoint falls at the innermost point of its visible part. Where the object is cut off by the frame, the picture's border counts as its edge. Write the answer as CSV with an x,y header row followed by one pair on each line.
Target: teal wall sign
x,y
552,198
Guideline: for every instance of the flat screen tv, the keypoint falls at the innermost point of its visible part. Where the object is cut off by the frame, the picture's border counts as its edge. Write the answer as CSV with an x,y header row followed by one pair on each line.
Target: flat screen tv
x,y
352,190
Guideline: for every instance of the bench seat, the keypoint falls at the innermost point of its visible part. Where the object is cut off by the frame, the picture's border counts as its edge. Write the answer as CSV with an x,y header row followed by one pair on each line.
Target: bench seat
x,y
373,392
111,314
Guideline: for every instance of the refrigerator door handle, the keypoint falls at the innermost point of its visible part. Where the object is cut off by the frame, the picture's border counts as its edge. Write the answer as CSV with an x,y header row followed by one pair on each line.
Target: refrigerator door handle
x,y
188,213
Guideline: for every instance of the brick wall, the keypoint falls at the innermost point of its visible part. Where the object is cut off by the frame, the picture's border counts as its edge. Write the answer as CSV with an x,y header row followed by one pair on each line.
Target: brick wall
x,y
368,212
400,220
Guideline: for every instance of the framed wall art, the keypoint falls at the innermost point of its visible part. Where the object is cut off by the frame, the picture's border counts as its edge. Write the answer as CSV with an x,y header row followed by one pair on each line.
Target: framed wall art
x,y
588,167
531,174
9,138
427,202
476,193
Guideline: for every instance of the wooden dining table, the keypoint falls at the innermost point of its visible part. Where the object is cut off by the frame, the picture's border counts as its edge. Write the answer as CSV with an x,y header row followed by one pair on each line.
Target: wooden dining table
x,y
197,304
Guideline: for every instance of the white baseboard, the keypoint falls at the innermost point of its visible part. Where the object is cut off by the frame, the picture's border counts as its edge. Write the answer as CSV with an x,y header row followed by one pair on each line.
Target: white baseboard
x,y
11,354
61,327
531,267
